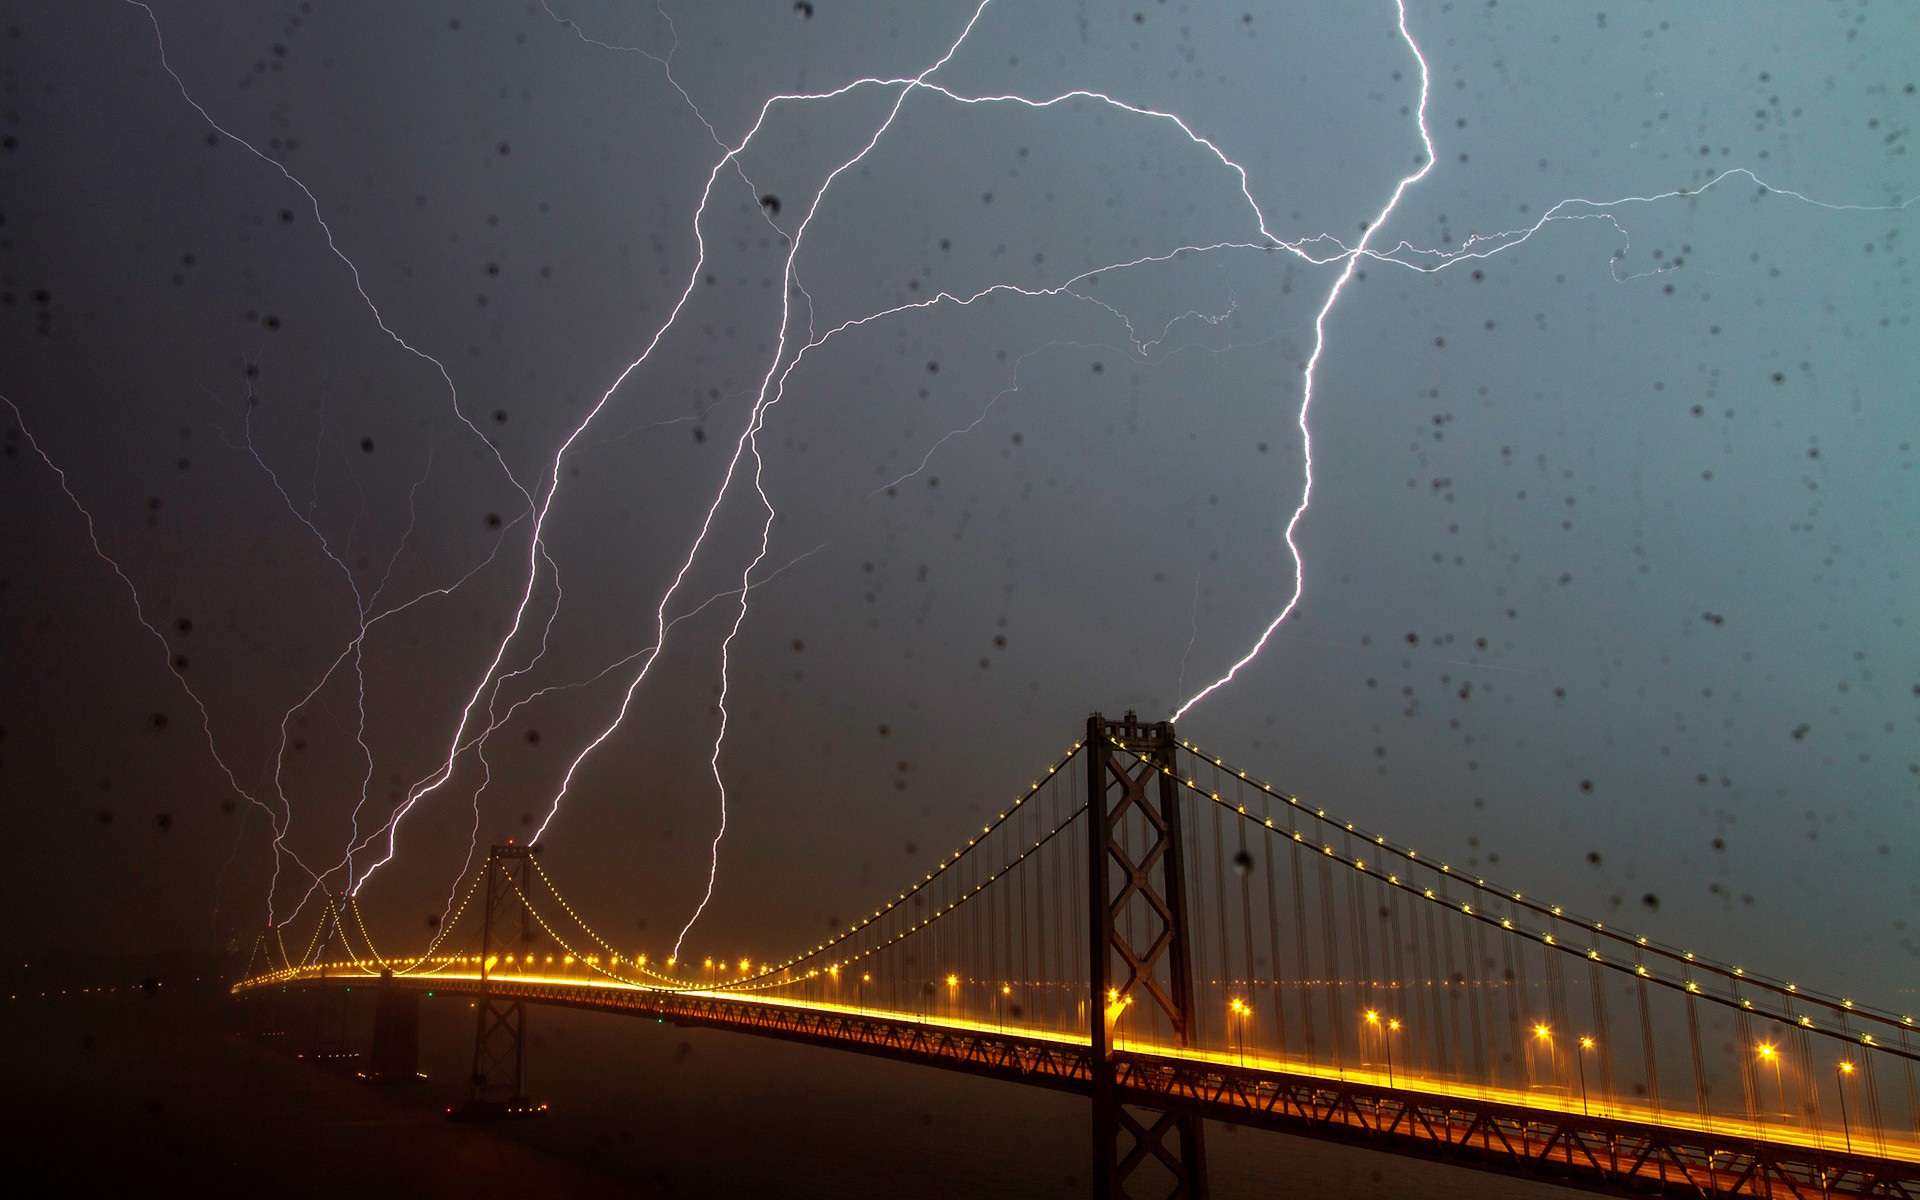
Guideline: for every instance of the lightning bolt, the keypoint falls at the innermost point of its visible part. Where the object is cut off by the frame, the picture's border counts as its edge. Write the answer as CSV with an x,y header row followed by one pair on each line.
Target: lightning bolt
x,y
481,716
770,394
1313,361
314,202
357,646
542,507
1142,348
535,553
646,653
140,615
1478,246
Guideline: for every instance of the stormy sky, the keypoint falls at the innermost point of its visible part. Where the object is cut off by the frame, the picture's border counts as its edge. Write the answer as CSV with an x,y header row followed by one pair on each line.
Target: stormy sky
x,y
1608,565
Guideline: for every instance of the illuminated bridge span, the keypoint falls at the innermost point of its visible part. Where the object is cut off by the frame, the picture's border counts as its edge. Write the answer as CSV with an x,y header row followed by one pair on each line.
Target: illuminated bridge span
x,y
1156,930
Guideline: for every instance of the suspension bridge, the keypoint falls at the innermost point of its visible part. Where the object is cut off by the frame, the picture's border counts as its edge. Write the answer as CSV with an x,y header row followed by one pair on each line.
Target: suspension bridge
x,y
1156,930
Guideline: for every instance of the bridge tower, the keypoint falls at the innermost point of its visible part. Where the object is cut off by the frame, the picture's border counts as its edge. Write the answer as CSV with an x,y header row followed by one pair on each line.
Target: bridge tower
x,y
328,1036
396,1034
1136,868
500,1029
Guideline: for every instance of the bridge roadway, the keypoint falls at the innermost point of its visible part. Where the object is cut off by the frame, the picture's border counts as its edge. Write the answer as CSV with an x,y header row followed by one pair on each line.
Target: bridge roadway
x,y
1597,1144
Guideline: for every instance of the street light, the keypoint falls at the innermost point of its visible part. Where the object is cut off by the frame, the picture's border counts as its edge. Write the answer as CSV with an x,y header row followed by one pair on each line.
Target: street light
x,y
1586,1044
1239,1008
1116,1005
1841,1072
1768,1054
1386,1039
1544,1033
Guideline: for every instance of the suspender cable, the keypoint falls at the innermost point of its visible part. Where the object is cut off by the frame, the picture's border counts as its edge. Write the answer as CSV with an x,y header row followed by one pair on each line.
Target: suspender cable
x,y
1390,913
1221,966
999,949
1809,1081
1743,1052
1485,1053
1027,879
1330,935
972,961
1448,1050
1057,978
1597,981
1458,985
1873,1103
1558,982
1865,1059
1516,1019
1243,867
1300,942
1356,916
1083,965
1699,1069
1913,1095
1648,1057
1451,988
1557,990
1367,998
1274,970
1209,964
1419,1021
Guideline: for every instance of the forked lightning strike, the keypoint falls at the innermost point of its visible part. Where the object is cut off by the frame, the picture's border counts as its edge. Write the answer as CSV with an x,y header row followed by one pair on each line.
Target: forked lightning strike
x,y
1313,362
481,716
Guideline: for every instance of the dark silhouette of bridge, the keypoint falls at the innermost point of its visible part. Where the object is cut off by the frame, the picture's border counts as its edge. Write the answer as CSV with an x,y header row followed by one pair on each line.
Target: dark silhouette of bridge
x,y
1151,928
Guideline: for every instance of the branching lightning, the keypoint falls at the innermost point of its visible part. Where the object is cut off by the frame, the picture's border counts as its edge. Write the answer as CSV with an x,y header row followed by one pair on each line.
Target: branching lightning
x,y
1313,362
140,615
332,245
493,700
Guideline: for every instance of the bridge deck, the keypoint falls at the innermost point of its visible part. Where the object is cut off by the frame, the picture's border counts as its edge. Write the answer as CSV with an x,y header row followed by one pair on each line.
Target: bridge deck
x,y
1592,1142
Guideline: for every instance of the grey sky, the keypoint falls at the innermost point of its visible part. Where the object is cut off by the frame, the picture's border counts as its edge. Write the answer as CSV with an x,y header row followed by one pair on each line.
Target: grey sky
x,y
1607,570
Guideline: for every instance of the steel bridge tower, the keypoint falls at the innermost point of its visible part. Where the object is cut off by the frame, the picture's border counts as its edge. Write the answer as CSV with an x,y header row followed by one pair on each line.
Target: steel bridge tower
x,y
500,1029
329,1033
1136,868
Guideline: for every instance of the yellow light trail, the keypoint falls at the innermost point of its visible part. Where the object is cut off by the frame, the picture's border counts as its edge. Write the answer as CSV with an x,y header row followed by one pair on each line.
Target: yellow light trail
x,y
1892,1144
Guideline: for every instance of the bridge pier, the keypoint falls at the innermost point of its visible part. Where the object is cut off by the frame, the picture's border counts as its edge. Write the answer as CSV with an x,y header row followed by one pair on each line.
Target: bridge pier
x,y
500,1030
327,1036
395,1057
1136,864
